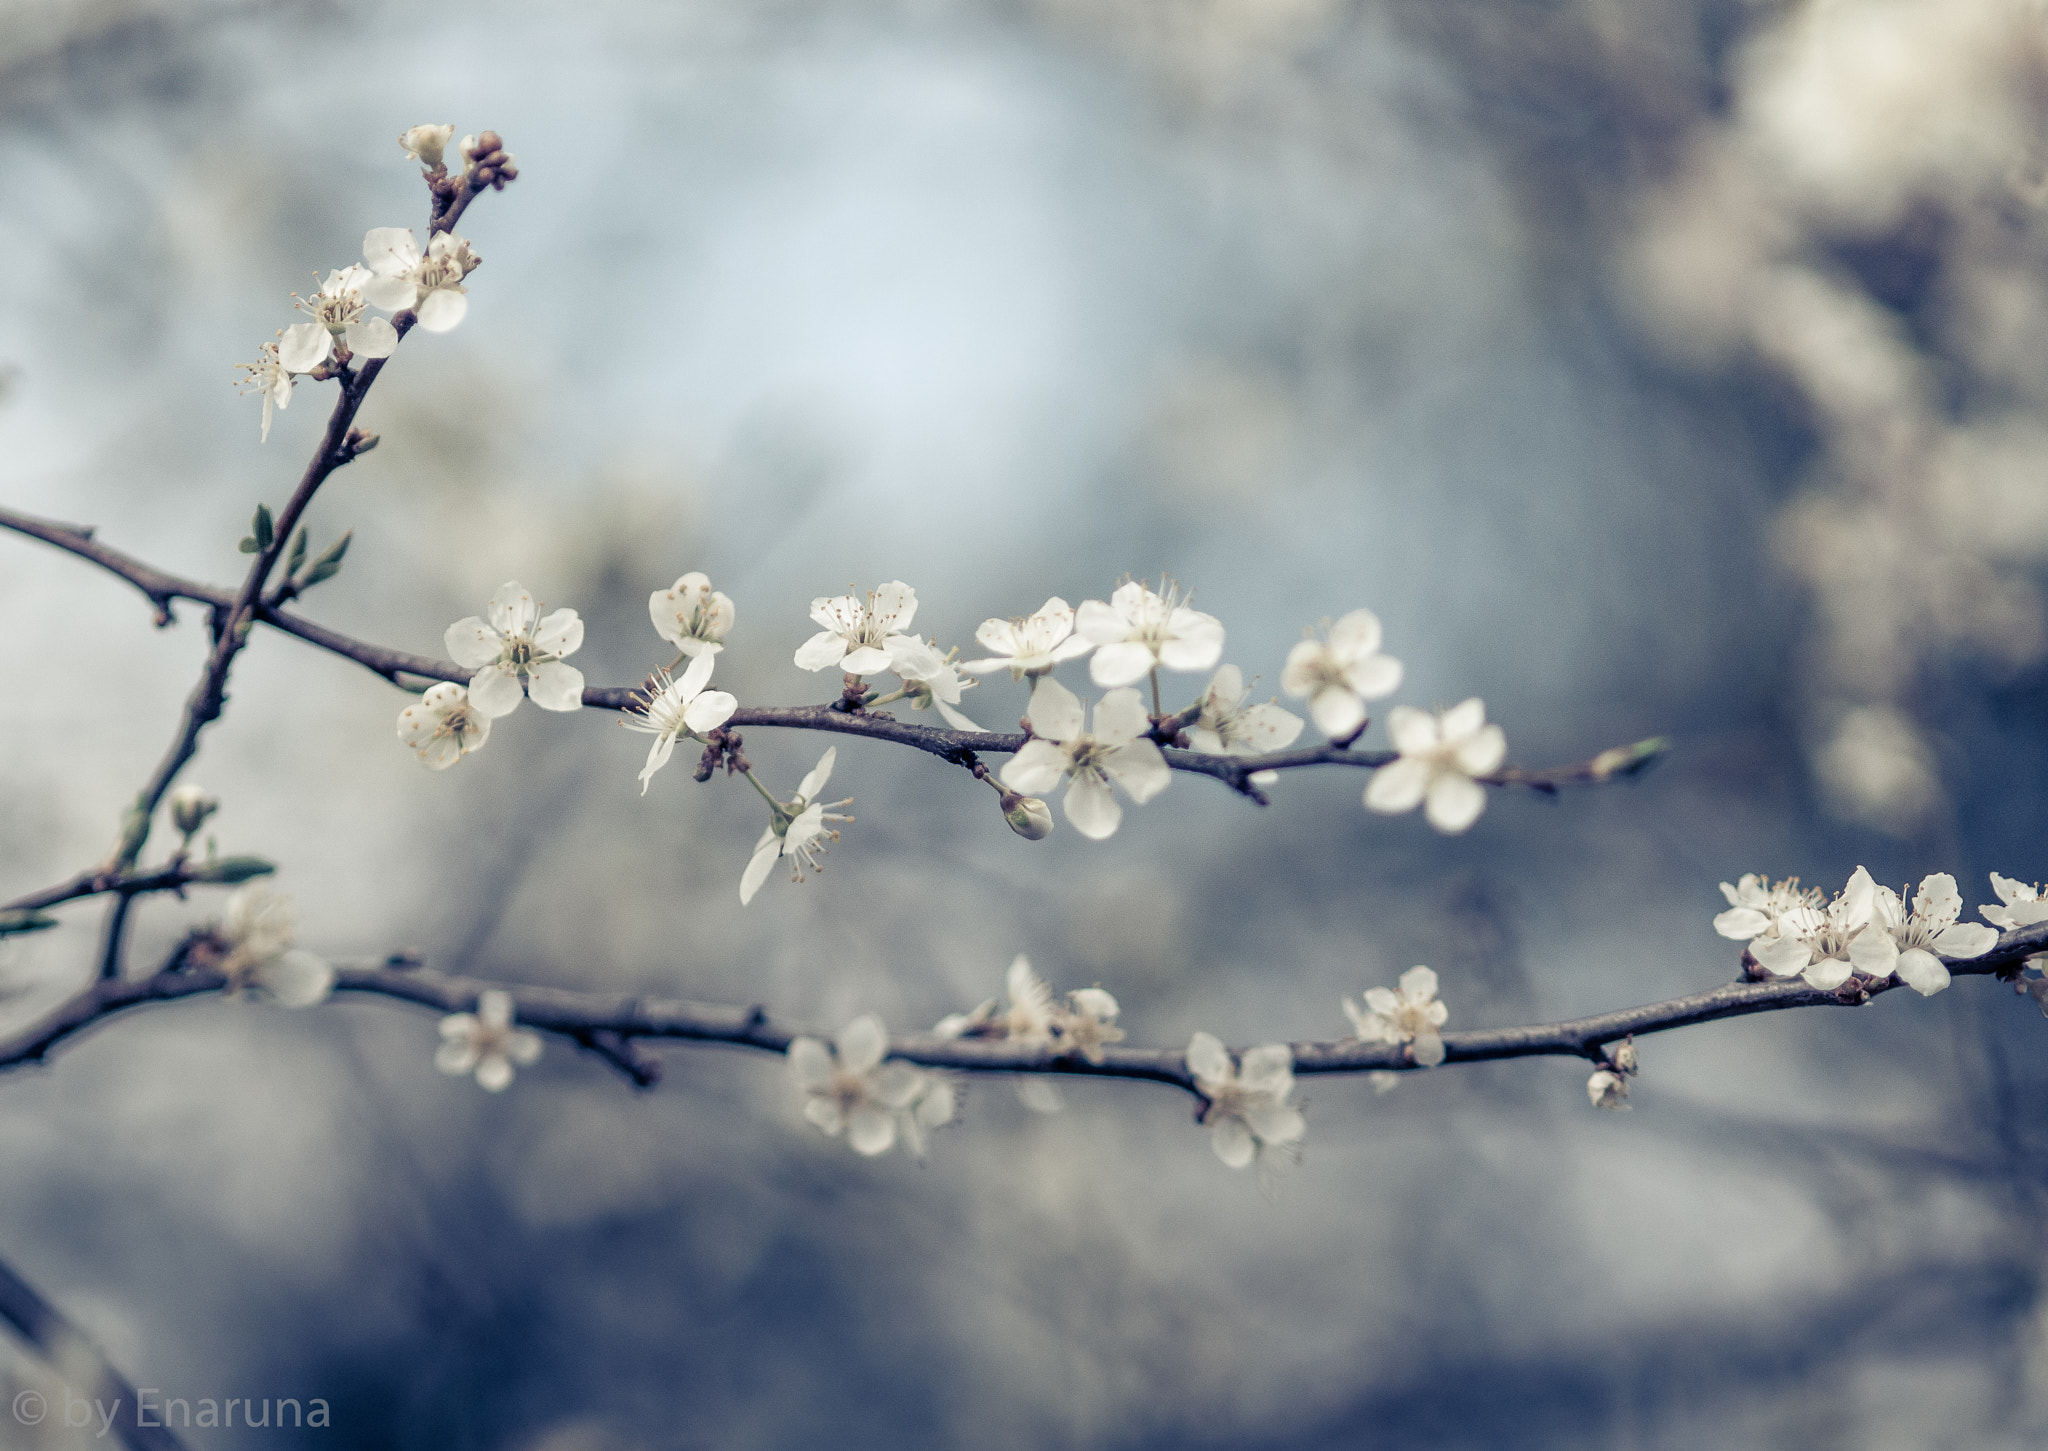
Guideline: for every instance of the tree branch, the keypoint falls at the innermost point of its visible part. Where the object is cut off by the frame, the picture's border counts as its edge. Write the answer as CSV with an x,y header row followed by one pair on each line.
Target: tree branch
x,y
958,747
611,1026
78,1363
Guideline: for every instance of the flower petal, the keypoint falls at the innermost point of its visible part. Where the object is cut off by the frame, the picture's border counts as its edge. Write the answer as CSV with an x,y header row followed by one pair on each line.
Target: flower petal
x,y
1455,801
1122,662
555,686
1231,1138
1397,786
495,691
822,651
1140,769
441,309
304,347
862,1043
1209,1060
1035,769
1055,711
1092,808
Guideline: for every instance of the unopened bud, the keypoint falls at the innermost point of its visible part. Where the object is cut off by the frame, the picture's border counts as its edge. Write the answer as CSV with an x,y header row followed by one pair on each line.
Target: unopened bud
x,y
1607,1089
427,143
1623,1055
190,806
1028,816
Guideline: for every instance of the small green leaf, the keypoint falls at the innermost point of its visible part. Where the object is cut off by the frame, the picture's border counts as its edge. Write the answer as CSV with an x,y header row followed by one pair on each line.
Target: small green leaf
x,y
232,869
263,529
328,565
14,923
248,546
298,554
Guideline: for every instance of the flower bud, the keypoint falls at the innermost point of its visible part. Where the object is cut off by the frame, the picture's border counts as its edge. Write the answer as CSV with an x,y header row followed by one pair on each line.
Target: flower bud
x,y
1607,1089
427,143
1028,816
190,806
1623,1055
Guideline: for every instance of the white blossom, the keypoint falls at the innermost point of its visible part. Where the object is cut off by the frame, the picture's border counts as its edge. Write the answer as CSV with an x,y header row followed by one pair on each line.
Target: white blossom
x,y
1248,1113
486,1042
933,680
1230,727
854,1092
1930,928
337,312
1031,645
430,285
1607,1089
1089,1023
1440,754
1762,912
1140,629
1028,816
1411,1016
2018,905
692,615
1828,946
798,832
443,726
517,642
271,380
680,707
1061,747
190,805
427,144
260,921
860,638
1340,674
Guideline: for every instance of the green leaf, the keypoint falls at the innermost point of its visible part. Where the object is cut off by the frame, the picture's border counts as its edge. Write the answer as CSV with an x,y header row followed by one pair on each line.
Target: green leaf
x,y
232,869
263,529
248,546
328,565
298,554
13,923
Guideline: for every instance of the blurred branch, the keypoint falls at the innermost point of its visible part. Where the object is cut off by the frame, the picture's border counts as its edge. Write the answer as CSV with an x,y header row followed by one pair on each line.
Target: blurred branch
x,y
611,1026
218,871
78,1363
961,748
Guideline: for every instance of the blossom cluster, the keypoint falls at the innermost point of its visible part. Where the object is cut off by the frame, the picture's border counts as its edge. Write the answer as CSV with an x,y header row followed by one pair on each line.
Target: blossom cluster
x,y
395,276
1865,932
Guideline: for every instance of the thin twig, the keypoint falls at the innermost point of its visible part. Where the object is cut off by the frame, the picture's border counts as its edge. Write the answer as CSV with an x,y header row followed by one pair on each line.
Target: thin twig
x,y
79,1364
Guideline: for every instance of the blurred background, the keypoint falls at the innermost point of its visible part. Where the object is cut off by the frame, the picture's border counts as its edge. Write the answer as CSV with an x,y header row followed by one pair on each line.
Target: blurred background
x,y
1669,366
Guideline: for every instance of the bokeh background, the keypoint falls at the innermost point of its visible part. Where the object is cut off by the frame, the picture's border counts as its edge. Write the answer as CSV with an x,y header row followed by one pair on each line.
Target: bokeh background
x,y
1668,366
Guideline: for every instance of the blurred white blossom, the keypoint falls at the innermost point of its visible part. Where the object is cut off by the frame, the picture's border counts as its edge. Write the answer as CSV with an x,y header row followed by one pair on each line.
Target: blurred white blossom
x,y
258,927
1607,1089
337,312
1440,754
1139,629
1032,645
427,144
691,615
1229,726
442,726
1340,674
854,1092
516,643
860,638
1248,1114
430,284
681,707
486,1042
1061,747
932,680
1411,1016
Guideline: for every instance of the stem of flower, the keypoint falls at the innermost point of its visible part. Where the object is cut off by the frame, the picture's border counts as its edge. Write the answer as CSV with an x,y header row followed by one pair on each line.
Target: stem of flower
x,y
782,813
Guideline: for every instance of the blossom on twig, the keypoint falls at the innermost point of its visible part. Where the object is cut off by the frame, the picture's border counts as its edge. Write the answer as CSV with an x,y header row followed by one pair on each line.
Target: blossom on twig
x,y
1032,645
430,284
1062,748
849,1089
692,615
1930,928
1248,1113
860,638
679,707
1827,946
1762,912
1440,754
1340,674
933,680
517,643
427,144
259,924
443,726
486,1042
1140,629
1083,1025
337,311
1411,1016
271,380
